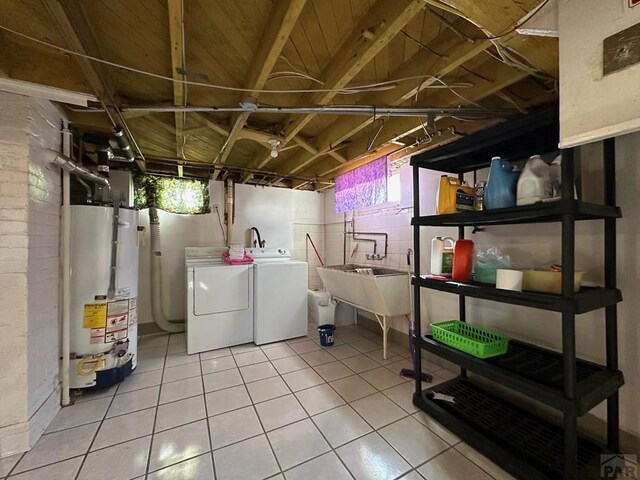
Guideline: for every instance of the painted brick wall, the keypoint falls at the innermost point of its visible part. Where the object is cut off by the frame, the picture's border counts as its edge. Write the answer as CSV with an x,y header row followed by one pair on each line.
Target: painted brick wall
x,y
29,270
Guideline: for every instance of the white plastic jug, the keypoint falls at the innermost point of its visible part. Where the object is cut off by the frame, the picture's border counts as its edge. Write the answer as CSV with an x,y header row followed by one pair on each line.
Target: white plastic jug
x,y
535,182
441,247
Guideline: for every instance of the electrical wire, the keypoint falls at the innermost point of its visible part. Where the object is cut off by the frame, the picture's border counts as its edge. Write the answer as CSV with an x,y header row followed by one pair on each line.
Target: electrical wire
x,y
353,89
220,222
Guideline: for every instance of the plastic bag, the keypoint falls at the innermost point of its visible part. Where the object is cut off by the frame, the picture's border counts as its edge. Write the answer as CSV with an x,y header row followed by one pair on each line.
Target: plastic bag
x,y
487,261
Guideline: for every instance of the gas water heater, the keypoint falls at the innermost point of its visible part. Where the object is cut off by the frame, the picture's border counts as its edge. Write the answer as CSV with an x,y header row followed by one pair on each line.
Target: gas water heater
x,y
104,294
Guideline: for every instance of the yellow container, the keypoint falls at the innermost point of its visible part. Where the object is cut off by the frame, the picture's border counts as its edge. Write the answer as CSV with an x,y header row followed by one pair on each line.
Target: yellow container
x,y
453,196
545,281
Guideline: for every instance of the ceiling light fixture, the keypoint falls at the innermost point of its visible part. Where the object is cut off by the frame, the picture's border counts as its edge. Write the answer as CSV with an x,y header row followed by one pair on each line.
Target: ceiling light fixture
x,y
273,145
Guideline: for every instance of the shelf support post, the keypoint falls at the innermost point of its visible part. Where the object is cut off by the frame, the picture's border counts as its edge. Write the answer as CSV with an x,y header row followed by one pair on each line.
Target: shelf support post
x,y
610,281
568,321
417,330
462,304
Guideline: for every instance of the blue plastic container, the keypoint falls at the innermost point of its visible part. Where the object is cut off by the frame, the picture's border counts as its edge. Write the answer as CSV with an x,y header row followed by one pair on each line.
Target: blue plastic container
x,y
326,334
501,185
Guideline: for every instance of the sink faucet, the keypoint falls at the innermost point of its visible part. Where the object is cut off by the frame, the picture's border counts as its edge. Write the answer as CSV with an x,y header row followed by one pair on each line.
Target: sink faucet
x,y
261,243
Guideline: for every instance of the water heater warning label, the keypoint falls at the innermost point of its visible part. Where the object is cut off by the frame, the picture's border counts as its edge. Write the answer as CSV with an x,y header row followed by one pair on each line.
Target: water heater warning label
x,y
117,321
95,315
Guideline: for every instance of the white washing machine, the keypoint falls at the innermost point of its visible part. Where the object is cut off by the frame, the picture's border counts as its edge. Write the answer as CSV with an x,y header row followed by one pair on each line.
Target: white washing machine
x,y
219,300
280,295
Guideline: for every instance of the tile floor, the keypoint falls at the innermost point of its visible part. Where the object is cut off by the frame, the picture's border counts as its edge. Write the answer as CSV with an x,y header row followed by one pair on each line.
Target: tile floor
x,y
291,410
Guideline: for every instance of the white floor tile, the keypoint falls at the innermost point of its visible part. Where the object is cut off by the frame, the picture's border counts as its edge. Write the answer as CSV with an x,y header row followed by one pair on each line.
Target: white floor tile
x,y
124,428
58,446
376,355
178,444
222,401
371,458
333,371
402,395
279,352
249,358
305,346
126,460
172,374
267,389
83,396
483,462
365,346
156,340
325,467
267,346
179,413
341,425
133,401
291,341
415,442
233,463
66,470
381,378
220,380
151,352
198,468
220,352
247,347
436,428
181,359
378,410
289,364
360,363
412,475
177,347
280,411
149,365
352,388
79,414
297,443
218,364
452,465
140,381
232,427
317,357
343,351
301,379
190,387
319,399
258,371
7,463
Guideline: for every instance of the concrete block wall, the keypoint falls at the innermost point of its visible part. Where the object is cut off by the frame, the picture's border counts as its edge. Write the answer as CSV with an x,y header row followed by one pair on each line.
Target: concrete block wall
x,y
29,266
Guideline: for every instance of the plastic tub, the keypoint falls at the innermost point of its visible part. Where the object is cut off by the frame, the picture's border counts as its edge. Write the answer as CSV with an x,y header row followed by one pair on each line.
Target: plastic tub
x,y
546,281
477,341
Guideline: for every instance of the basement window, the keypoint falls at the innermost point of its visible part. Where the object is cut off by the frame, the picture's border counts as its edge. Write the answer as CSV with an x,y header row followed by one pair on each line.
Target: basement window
x,y
173,195
362,187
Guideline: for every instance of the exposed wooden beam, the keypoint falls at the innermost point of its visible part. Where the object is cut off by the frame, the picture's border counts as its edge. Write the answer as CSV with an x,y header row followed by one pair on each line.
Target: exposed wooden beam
x,y
75,29
421,63
176,36
282,19
381,23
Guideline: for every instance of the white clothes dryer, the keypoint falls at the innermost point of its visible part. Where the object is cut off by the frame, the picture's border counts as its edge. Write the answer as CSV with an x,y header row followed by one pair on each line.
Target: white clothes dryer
x,y
280,295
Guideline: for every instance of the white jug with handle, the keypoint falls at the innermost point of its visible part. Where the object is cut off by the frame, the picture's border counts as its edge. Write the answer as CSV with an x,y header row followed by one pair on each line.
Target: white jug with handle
x,y
441,246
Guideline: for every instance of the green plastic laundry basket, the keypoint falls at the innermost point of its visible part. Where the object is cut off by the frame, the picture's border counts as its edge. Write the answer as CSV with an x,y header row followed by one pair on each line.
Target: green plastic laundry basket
x,y
477,341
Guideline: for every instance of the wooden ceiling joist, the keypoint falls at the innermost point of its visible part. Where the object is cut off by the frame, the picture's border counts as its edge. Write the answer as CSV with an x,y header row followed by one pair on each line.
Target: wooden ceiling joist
x,y
176,35
283,18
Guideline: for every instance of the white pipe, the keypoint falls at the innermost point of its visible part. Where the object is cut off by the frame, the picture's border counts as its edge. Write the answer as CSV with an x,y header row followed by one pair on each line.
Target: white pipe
x,y
156,278
66,266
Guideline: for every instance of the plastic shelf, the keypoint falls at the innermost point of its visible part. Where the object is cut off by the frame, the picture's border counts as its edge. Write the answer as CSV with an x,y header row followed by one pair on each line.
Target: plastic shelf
x,y
536,372
524,444
586,300
544,212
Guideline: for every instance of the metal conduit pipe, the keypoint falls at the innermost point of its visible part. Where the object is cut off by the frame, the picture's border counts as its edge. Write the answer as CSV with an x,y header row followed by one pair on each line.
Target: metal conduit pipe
x,y
70,166
156,278
123,143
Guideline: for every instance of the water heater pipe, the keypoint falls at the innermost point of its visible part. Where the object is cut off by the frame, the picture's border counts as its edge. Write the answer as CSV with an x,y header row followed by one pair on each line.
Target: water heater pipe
x,y
156,278
229,214
66,267
70,166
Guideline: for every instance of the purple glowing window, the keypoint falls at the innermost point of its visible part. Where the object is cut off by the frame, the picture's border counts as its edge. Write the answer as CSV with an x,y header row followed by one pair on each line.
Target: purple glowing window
x,y
362,187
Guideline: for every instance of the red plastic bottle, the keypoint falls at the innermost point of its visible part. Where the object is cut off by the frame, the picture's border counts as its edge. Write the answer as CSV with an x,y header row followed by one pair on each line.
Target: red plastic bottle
x,y
462,261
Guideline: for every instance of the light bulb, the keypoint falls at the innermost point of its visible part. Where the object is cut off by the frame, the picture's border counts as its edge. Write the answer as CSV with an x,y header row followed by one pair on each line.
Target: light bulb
x,y
274,153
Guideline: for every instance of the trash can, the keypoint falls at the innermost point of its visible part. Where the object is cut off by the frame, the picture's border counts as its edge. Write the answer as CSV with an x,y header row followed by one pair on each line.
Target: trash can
x,y
326,334
319,311
326,314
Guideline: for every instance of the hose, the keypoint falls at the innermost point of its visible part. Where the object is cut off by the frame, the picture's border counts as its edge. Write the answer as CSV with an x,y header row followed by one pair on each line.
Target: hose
x,y
156,278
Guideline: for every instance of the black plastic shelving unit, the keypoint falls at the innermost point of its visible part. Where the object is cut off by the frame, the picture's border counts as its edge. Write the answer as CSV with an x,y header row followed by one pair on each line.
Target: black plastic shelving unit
x,y
521,441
